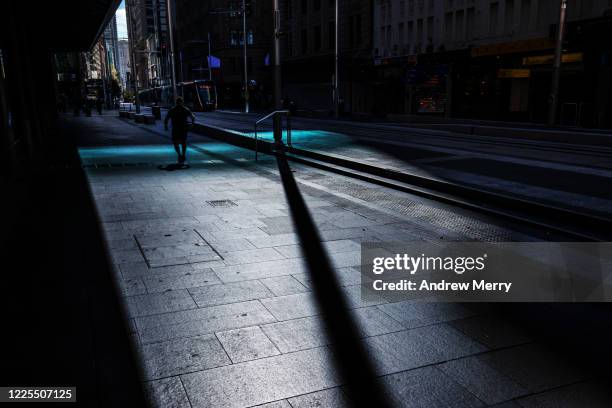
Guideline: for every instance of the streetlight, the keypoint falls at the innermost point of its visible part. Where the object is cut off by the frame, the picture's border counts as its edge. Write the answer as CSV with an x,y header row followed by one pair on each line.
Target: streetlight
x,y
244,51
170,30
278,135
336,83
554,87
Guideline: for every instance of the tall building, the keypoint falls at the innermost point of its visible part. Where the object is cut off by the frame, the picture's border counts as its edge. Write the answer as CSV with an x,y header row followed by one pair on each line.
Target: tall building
x,y
149,42
222,22
124,61
309,50
111,43
491,59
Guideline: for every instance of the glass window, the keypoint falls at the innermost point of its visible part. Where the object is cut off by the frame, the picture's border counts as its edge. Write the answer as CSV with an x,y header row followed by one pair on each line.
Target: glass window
x,y
493,10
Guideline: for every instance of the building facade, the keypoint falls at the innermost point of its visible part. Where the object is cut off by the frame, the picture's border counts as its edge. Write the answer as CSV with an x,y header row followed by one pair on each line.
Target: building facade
x,y
215,28
147,22
309,46
492,59
124,62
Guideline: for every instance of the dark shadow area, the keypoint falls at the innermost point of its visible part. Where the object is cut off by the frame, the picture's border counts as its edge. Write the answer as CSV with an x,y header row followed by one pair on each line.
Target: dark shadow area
x,y
589,185
353,360
582,332
174,167
62,320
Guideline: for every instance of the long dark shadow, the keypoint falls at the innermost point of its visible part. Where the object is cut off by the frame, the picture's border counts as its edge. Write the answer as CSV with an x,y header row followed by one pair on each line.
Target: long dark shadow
x,y
352,359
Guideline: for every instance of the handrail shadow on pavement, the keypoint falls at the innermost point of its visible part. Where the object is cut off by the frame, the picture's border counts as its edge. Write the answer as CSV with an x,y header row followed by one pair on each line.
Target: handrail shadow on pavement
x,y
352,359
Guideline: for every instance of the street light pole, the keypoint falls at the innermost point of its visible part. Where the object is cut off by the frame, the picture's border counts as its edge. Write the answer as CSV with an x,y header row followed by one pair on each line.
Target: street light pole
x,y
133,69
277,71
170,31
209,59
336,82
135,79
244,48
554,87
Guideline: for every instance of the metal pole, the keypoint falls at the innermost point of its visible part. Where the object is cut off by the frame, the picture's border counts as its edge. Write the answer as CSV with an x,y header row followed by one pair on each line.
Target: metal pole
x,y
244,38
209,59
170,31
135,79
336,89
554,87
131,44
278,135
181,66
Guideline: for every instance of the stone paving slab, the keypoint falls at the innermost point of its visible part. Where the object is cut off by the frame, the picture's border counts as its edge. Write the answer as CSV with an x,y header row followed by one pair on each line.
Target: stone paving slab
x,y
427,388
156,303
247,344
264,380
486,383
182,280
179,356
201,321
167,392
284,285
234,292
332,398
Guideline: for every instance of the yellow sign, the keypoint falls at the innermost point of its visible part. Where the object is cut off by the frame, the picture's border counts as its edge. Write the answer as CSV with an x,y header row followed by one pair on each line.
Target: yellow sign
x,y
513,73
548,59
535,44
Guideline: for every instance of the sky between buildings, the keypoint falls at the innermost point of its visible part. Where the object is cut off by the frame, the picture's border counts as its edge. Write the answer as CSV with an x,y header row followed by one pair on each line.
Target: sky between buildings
x,y
121,21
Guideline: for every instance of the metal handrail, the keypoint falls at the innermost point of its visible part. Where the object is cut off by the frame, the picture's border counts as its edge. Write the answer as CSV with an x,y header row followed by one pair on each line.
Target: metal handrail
x,y
278,112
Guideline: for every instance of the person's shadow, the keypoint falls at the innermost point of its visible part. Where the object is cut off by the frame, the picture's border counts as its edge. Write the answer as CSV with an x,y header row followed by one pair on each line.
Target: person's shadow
x,y
174,166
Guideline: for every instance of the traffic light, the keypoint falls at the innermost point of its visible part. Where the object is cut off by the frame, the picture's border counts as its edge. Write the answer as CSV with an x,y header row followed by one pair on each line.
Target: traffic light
x,y
248,7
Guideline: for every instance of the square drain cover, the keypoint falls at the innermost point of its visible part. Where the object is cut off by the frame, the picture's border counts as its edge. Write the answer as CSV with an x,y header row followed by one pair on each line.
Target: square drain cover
x,y
175,248
221,203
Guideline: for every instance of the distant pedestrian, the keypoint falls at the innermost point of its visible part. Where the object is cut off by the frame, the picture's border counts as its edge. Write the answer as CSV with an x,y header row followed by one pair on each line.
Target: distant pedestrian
x,y
179,115
99,105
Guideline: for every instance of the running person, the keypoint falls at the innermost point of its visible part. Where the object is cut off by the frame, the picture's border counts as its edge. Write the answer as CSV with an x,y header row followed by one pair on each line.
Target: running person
x,y
179,115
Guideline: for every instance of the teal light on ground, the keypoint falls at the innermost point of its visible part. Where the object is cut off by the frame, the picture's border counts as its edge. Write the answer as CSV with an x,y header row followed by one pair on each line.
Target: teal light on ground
x,y
218,148
127,154
298,136
151,153
123,151
159,153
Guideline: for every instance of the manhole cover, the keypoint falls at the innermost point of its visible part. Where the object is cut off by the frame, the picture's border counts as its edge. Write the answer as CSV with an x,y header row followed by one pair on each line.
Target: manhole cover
x,y
175,248
221,203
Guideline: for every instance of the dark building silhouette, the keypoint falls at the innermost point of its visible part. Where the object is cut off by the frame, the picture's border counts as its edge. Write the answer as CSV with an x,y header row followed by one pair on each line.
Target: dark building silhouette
x,y
221,21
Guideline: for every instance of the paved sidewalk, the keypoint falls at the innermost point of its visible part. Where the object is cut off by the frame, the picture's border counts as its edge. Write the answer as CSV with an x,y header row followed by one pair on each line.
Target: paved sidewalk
x,y
220,304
